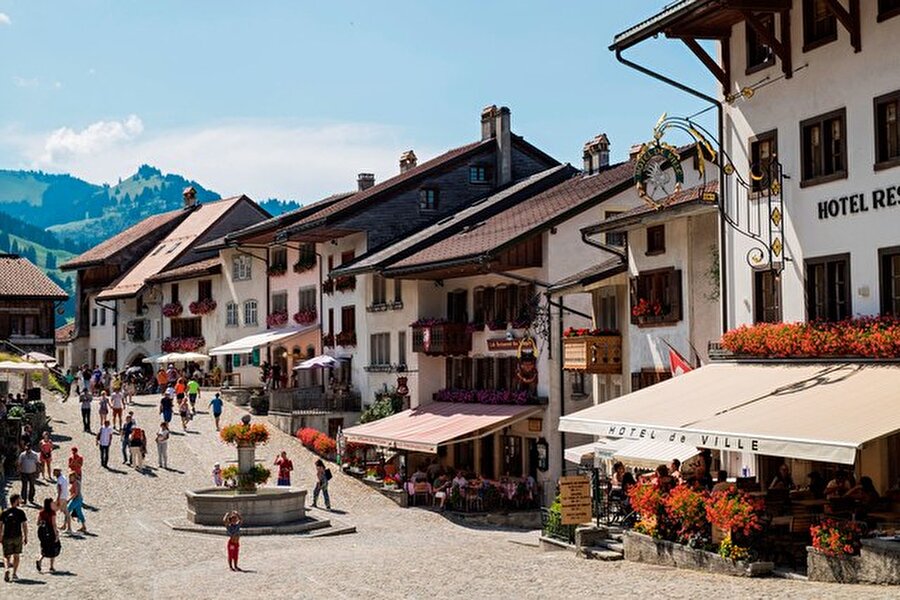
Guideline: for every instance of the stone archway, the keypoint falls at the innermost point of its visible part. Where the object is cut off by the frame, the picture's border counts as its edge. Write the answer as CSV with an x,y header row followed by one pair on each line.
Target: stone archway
x,y
109,358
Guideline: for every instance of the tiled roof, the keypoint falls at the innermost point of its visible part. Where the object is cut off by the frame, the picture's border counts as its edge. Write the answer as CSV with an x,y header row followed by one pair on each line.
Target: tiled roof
x,y
360,198
606,268
179,241
676,200
20,278
106,249
288,218
431,234
208,266
65,333
532,214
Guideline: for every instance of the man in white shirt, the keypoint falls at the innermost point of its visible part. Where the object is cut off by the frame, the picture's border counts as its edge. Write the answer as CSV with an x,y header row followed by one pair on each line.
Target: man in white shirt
x,y
104,440
62,498
117,403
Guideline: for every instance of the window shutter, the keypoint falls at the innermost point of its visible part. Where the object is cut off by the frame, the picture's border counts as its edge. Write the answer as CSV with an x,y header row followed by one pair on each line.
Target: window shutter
x,y
674,293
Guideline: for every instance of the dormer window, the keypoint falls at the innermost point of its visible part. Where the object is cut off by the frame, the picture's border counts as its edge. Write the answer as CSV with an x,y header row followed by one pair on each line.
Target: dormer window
x,y
479,174
428,200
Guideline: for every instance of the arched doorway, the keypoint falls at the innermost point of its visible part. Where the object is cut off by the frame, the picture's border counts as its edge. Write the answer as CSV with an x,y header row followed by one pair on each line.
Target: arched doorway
x,y
109,358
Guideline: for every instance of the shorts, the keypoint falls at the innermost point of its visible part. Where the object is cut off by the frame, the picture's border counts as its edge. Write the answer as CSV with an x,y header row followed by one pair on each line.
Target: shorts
x,y
179,396
12,546
192,398
217,414
117,412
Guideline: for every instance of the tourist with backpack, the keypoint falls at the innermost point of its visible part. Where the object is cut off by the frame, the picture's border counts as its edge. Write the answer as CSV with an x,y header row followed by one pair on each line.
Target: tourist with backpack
x,y
138,445
323,476
48,535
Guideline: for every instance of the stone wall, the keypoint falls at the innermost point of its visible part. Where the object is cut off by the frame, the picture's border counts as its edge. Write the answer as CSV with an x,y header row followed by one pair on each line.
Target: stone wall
x,y
878,562
645,549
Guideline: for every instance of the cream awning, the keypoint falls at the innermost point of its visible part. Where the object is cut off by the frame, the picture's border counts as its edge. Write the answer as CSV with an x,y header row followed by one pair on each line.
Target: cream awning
x,y
604,448
245,345
813,411
644,454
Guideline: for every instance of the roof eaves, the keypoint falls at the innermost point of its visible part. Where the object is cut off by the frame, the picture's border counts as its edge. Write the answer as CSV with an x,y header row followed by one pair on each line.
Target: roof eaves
x,y
431,266
575,283
655,24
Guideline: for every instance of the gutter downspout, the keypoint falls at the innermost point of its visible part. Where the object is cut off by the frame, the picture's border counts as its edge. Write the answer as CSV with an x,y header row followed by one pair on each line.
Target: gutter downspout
x,y
723,265
620,252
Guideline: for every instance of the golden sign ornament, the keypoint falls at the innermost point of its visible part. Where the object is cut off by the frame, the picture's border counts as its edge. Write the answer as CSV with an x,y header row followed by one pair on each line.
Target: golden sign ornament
x,y
526,367
658,173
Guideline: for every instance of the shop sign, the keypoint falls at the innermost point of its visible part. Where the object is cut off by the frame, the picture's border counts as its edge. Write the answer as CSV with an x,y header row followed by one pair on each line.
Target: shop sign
x,y
497,344
527,354
702,440
859,203
575,499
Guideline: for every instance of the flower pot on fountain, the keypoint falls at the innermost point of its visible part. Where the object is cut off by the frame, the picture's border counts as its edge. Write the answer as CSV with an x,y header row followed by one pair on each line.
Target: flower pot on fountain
x,y
259,506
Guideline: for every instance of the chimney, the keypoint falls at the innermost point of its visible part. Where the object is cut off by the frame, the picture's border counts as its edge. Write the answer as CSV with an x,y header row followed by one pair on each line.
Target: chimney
x,y
634,151
488,125
190,196
365,180
504,145
407,161
596,154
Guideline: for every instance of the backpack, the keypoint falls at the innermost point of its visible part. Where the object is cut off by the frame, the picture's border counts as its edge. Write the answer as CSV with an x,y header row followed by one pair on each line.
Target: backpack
x,y
44,532
328,475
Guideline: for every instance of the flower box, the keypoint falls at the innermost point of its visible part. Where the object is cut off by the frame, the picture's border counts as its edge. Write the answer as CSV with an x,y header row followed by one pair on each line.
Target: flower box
x,y
645,549
346,338
328,286
345,283
436,337
601,354
305,263
182,344
277,319
306,316
172,309
484,397
276,271
202,307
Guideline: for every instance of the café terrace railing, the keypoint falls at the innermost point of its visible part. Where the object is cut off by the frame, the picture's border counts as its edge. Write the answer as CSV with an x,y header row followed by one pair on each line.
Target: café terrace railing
x,y
314,399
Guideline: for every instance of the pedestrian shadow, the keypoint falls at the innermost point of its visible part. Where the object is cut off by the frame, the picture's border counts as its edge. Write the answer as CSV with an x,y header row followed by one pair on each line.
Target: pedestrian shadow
x,y
192,432
90,508
116,471
140,404
246,571
336,511
21,581
171,470
62,573
58,437
149,472
179,433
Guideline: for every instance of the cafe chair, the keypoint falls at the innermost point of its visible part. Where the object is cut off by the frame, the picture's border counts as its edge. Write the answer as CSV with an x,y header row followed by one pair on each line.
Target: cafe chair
x,y
421,490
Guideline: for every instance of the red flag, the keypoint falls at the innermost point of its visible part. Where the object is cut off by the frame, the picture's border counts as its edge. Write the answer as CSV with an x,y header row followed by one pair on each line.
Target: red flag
x,y
677,363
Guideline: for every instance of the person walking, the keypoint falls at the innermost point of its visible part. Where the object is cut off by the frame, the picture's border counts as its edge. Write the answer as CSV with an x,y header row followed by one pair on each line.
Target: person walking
x,y
232,521
125,435
86,400
165,406
216,405
62,498
193,392
70,379
28,472
45,449
138,446
130,389
14,536
162,381
2,482
285,466
117,403
162,445
104,441
48,535
184,411
103,407
323,476
76,501
76,462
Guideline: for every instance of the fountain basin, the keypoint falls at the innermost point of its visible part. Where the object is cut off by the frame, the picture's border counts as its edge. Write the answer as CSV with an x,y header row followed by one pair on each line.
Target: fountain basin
x,y
263,507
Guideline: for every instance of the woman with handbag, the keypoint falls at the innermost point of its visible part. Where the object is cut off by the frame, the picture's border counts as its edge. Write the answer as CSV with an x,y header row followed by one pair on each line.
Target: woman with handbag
x,y
48,535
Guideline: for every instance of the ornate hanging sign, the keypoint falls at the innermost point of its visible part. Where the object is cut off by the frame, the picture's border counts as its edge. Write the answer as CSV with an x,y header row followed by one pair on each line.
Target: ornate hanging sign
x,y
658,173
526,369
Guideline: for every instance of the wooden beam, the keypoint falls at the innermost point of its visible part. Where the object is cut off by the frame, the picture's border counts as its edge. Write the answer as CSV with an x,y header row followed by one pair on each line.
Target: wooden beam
x,y
708,61
759,5
765,34
725,45
787,63
849,19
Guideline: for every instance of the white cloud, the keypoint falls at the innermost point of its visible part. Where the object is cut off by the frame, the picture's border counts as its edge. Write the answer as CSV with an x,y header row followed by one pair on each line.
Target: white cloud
x,y
65,143
259,158
23,82
4,19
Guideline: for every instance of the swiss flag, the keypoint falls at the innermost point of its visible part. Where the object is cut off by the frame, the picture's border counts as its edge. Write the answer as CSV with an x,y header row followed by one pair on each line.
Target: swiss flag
x,y
677,364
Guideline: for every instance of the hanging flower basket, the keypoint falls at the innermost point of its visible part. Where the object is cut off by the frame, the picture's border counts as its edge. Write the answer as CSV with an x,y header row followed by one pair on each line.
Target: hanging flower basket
x,y
346,283
305,263
328,340
328,286
172,309
307,316
202,307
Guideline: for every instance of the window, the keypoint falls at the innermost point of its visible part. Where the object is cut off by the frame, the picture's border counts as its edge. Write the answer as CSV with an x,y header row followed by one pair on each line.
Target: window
x,y
428,200
401,348
241,268
886,10
890,281
828,288
23,324
307,298
479,174
398,290
204,289
331,321
823,148
278,258
188,327
279,302
819,24
347,256
94,313
174,293
102,316
348,319
578,387
379,289
615,238
656,239
251,312
763,152
606,310
887,133
456,306
759,55
656,297
380,349
766,297
231,314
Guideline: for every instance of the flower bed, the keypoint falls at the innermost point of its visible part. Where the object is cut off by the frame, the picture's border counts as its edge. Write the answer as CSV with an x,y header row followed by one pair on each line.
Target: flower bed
x,y
307,316
837,538
257,475
202,307
172,309
870,337
239,434
277,319
182,344
645,549
318,442
483,396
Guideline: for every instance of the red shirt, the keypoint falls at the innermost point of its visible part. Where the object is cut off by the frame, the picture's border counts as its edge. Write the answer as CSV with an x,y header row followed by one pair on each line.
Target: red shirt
x,y
75,462
285,466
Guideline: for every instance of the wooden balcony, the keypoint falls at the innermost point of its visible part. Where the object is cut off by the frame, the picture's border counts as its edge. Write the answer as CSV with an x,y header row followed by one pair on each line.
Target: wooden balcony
x,y
442,339
600,354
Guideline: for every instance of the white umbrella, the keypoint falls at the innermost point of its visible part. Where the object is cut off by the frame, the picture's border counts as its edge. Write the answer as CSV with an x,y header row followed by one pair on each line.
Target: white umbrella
x,y
20,367
319,362
40,357
173,357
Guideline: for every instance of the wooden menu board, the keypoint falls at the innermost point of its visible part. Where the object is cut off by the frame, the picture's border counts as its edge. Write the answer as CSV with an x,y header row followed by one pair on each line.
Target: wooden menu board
x,y
575,498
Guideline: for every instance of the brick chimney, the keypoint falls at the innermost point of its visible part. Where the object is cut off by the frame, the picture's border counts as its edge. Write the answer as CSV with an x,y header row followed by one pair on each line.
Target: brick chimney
x,y
190,196
408,161
596,154
365,180
488,124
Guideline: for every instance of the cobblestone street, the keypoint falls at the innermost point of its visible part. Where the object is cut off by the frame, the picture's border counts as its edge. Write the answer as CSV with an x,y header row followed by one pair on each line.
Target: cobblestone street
x,y
131,553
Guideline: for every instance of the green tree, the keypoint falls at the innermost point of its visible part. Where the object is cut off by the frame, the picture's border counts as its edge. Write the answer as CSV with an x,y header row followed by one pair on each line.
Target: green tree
x,y
50,261
31,254
14,248
4,241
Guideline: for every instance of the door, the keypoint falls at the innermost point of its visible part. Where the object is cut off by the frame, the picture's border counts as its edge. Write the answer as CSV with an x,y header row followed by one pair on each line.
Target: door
x,y
487,457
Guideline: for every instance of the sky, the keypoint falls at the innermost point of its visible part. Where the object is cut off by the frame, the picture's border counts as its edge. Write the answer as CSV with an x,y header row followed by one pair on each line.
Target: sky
x,y
291,99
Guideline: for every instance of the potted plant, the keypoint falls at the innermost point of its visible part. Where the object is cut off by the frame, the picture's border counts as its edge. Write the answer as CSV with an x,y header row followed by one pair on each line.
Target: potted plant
x,y
305,262
246,438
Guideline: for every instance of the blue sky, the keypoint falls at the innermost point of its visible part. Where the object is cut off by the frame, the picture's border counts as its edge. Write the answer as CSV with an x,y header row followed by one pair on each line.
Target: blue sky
x,y
292,99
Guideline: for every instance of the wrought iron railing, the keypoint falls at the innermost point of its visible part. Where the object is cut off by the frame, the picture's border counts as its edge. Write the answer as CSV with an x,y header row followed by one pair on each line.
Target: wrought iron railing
x,y
314,399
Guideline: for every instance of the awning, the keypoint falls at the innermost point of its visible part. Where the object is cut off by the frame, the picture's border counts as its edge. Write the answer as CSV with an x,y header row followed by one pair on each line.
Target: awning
x,y
245,345
644,454
814,412
605,448
425,428
174,357
10,366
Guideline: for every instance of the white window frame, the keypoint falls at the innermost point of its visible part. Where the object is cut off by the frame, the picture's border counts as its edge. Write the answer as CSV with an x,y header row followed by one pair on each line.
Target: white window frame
x,y
380,349
241,268
232,315
251,309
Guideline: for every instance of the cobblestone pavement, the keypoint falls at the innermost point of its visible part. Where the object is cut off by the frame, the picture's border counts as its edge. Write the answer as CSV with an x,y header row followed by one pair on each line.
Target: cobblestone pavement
x,y
397,553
